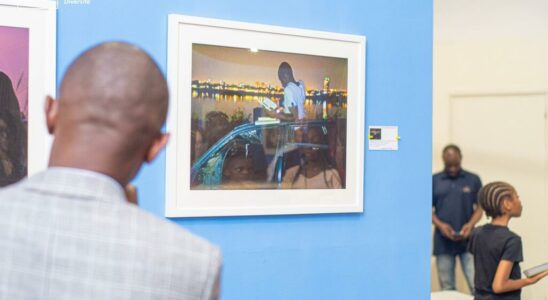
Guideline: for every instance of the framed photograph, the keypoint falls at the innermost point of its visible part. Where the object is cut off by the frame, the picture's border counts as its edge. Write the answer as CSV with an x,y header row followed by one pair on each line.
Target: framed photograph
x,y
27,75
264,120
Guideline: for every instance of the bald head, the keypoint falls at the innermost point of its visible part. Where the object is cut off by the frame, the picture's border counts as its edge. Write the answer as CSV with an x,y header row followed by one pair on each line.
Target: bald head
x,y
113,103
114,87
452,158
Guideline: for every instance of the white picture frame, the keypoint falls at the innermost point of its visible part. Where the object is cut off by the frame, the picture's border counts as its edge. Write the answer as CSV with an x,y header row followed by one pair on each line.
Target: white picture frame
x,y
181,200
39,16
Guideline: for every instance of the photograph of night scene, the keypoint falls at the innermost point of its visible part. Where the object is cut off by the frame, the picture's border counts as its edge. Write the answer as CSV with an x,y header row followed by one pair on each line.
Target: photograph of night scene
x,y
267,120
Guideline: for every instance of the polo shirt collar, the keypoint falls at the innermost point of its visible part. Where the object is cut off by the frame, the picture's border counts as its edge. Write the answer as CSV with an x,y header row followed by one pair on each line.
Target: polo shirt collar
x,y
460,175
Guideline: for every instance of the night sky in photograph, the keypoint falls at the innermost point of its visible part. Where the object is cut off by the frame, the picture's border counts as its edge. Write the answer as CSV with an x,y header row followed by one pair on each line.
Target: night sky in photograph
x,y
240,65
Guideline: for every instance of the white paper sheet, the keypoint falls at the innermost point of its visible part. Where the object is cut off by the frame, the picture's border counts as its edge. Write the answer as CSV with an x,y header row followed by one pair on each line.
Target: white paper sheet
x,y
383,138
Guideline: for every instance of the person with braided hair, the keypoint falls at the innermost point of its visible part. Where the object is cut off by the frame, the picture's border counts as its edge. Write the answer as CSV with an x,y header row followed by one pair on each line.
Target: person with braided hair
x,y
497,250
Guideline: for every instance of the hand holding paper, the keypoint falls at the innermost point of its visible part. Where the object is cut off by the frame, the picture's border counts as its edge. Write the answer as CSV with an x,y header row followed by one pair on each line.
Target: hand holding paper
x,y
268,104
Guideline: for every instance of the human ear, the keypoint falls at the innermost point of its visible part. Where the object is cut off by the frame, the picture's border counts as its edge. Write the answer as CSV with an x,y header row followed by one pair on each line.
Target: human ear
x,y
507,204
157,145
51,109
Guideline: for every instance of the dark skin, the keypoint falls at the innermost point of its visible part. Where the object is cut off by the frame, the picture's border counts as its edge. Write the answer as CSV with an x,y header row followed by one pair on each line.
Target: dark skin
x,y
511,207
112,105
312,157
285,78
239,169
452,161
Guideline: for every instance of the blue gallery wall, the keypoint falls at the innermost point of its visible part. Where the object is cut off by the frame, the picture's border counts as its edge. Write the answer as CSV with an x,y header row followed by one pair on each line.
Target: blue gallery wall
x,y
383,253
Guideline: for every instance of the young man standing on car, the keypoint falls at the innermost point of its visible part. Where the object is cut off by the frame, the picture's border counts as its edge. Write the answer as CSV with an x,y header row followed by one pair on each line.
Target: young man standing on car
x,y
292,106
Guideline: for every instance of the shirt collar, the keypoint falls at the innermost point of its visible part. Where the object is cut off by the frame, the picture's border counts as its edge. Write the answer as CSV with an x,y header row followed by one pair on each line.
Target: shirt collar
x,y
446,176
77,183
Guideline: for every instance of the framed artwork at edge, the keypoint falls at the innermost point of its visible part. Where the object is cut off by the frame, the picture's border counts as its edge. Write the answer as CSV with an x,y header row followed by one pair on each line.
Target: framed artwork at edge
x,y
27,75
264,120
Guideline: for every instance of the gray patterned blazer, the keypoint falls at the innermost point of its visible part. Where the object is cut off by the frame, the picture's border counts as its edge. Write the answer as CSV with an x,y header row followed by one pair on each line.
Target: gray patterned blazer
x,y
70,234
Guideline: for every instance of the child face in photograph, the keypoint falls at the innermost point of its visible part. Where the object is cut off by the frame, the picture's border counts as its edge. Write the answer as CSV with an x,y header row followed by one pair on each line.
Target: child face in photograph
x,y
239,169
313,137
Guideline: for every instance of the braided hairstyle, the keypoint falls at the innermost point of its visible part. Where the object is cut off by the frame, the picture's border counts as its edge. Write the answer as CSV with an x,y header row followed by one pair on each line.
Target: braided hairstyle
x,y
492,195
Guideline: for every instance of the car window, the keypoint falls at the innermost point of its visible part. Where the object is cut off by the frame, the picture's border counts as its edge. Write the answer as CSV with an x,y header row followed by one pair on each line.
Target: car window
x,y
208,174
308,147
274,157
241,163
299,134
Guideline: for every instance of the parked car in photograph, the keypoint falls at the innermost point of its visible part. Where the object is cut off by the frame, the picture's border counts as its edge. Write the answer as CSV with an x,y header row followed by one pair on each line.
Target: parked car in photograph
x,y
257,155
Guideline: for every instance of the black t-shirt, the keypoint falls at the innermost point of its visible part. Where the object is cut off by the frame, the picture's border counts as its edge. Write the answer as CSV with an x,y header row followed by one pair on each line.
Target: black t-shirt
x,y
490,244
454,199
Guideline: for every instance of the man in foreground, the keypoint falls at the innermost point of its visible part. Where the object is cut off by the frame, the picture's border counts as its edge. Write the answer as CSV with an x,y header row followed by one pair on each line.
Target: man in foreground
x,y
69,232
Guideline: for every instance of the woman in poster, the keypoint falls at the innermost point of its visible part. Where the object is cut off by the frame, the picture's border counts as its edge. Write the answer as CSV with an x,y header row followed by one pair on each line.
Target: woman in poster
x,y
11,135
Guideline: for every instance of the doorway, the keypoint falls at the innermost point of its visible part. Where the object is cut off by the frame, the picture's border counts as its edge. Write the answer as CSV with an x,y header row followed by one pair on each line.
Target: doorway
x,y
503,137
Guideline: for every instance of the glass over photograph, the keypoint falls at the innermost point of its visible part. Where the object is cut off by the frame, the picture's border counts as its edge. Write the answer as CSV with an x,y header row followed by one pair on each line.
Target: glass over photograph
x,y
267,120
14,66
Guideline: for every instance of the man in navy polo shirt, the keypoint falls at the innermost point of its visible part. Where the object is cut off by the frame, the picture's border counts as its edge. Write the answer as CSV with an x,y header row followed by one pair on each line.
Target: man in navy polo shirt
x,y
455,212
